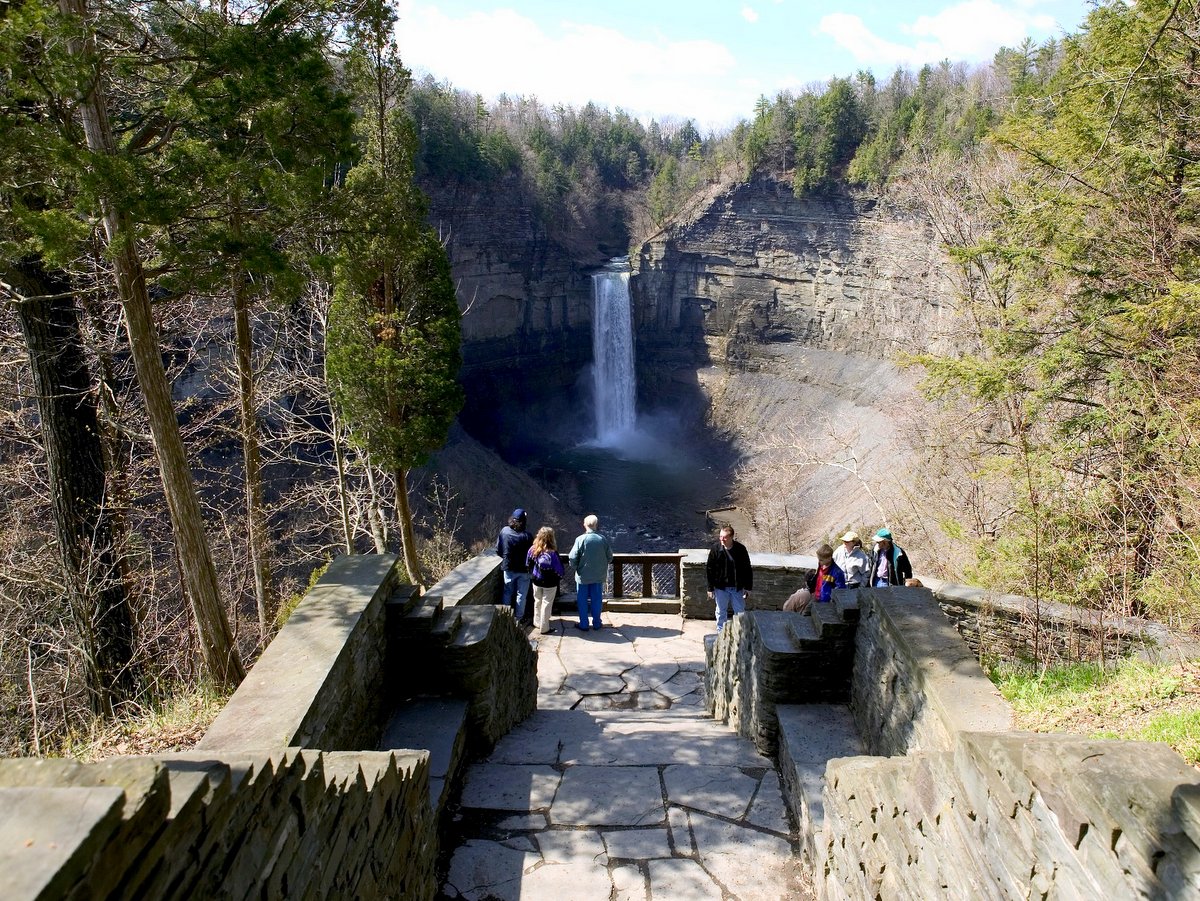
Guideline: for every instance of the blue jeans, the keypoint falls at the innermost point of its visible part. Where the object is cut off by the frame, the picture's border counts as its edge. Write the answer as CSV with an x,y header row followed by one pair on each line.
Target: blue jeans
x,y
516,589
589,597
725,598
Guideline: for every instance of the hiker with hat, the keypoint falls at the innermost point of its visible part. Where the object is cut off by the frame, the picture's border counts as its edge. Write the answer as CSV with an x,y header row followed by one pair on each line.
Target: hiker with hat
x,y
889,563
853,560
512,547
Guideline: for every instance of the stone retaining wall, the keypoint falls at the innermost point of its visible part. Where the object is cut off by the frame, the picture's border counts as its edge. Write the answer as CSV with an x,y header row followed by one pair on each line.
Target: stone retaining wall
x,y
318,683
776,578
1013,815
915,682
250,814
968,809
478,581
288,823
1010,626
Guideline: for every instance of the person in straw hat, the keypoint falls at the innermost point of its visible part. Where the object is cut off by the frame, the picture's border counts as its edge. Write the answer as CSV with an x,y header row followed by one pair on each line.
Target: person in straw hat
x,y
853,560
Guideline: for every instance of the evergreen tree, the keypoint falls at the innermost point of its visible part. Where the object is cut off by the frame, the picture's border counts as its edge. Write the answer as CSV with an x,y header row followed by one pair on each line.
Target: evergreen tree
x,y
394,325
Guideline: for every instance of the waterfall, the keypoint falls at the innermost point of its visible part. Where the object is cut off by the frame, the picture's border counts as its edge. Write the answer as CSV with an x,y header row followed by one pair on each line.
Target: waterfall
x,y
615,386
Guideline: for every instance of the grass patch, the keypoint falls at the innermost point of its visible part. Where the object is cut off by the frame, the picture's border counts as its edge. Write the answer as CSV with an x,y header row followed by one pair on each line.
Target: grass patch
x,y
1132,700
174,723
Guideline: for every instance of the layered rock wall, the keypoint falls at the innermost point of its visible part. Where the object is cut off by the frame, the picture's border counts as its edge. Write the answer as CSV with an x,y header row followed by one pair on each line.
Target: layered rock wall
x,y
526,301
779,320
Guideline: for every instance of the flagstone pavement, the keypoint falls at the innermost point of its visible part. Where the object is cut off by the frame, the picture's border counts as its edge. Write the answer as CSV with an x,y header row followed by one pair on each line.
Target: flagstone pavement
x,y
620,786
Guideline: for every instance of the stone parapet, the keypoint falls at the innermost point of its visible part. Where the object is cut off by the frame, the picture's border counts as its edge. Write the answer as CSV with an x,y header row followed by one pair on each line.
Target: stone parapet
x,y
319,683
776,578
477,581
1012,626
1004,815
916,683
286,823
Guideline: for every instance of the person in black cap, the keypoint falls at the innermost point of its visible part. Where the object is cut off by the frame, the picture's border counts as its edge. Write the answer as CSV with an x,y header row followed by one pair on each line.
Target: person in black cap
x,y
512,546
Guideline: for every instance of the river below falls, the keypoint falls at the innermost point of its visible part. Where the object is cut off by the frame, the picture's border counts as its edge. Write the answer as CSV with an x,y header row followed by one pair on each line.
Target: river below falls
x,y
650,490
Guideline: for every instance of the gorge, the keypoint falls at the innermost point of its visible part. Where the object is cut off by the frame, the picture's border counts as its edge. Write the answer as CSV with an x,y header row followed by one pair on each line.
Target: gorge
x,y
763,324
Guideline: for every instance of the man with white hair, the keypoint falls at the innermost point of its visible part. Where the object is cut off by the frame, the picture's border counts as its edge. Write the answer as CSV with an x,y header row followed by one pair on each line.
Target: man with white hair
x,y
590,557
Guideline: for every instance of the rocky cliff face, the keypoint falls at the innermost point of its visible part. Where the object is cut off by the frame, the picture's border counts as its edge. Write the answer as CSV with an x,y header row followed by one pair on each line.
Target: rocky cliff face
x,y
780,320
773,322
526,296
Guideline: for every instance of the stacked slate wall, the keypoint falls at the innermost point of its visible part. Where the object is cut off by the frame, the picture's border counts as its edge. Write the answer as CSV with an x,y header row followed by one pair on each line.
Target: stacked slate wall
x,y
967,808
290,823
278,799
1011,626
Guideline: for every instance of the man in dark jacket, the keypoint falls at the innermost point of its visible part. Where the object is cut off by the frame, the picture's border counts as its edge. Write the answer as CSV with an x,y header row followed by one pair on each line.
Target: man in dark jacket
x,y
512,546
729,575
889,563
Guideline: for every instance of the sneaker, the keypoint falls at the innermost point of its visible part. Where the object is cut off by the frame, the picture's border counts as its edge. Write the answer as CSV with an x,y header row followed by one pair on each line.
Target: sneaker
x,y
581,628
597,627
546,631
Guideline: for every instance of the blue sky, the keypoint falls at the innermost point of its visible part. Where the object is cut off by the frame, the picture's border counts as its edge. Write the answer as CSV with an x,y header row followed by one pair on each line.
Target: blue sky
x,y
708,60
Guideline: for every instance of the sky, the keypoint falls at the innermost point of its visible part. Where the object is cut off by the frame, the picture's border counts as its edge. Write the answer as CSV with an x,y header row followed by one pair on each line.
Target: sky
x,y
707,60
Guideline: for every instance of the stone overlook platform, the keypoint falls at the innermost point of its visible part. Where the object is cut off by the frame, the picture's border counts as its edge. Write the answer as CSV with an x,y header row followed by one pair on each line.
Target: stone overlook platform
x,y
389,745
621,785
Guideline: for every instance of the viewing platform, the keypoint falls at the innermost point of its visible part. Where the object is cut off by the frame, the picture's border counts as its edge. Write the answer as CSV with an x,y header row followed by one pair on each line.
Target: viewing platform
x,y
390,745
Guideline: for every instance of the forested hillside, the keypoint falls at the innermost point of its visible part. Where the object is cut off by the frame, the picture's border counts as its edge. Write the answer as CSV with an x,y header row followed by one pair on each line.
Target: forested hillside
x,y
198,201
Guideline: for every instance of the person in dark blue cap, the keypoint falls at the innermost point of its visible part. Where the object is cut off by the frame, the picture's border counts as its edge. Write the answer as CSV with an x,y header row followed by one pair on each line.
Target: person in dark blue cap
x,y
512,546
889,563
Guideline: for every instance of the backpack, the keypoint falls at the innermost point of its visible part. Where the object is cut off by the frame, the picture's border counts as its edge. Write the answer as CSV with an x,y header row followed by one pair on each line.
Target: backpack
x,y
544,578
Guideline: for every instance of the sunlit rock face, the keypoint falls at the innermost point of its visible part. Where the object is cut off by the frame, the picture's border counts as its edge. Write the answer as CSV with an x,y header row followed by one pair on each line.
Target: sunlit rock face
x,y
759,267
780,320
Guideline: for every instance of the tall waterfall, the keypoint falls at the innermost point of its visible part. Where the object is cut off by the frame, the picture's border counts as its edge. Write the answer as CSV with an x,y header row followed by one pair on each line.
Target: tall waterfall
x,y
612,350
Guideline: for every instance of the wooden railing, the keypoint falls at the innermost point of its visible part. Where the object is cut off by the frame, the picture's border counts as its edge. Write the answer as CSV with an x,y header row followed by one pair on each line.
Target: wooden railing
x,y
647,575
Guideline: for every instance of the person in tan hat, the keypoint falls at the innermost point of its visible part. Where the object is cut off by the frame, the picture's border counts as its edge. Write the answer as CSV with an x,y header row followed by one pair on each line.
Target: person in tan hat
x,y
853,560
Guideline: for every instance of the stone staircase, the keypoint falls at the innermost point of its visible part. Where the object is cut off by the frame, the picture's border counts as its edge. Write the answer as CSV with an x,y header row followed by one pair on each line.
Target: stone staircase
x,y
447,695
783,680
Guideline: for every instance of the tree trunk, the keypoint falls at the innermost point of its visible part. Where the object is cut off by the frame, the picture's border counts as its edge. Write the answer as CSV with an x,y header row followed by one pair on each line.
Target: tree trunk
x,y
97,592
256,518
374,512
339,457
408,538
221,657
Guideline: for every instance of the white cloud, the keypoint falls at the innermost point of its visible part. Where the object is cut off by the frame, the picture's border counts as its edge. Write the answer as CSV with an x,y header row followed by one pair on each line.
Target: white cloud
x,y
503,52
749,14
969,32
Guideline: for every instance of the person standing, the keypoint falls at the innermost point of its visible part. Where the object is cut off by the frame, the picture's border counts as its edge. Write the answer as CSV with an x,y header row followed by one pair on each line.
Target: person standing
x,y
853,560
512,546
729,576
590,557
546,571
827,577
889,563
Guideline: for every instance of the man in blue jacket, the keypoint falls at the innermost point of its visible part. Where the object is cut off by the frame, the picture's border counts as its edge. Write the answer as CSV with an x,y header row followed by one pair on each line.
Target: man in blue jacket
x,y
590,557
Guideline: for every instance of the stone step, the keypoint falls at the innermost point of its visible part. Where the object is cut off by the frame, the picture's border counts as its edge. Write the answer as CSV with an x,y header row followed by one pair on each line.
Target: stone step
x,y
642,605
439,726
421,617
448,625
803,631
828,621
846,601
810,735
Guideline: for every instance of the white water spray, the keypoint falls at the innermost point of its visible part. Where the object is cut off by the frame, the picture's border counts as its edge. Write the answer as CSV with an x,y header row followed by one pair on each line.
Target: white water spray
x,y
615,386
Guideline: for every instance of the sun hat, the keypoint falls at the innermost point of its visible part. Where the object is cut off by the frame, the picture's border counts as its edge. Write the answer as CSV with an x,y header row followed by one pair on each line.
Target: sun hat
x,y
883,535
849,536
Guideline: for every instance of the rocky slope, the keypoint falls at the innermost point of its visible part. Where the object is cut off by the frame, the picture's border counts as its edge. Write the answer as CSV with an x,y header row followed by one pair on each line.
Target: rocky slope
x,y
780,320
